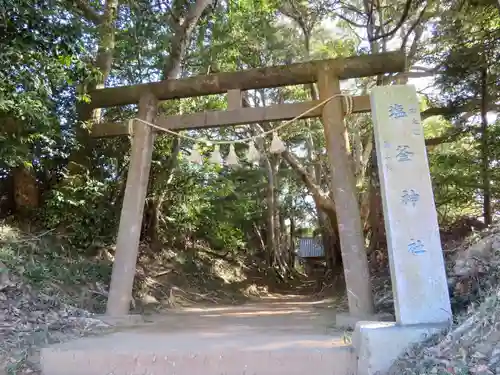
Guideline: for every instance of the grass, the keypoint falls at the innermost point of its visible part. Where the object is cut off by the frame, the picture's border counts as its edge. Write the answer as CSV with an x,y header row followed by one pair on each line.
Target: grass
x,y
44,262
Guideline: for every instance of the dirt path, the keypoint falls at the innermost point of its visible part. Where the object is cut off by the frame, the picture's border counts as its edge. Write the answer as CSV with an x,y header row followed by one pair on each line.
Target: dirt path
x,y
302,314
274,331
279,311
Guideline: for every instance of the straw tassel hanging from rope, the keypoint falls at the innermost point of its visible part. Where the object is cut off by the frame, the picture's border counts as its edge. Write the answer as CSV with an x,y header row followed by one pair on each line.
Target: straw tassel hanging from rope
x,y
195,156
277,145
215,157
232,158
253,155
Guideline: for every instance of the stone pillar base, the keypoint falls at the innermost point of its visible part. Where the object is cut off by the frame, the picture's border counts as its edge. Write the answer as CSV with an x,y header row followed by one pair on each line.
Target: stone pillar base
x,y
349,321
379,344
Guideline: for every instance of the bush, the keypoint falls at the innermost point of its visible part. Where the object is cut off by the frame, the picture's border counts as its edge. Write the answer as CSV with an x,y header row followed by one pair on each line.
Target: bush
x,y
84,210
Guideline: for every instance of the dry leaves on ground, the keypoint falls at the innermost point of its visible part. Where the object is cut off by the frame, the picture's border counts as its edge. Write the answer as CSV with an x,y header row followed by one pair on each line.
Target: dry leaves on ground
x,y
30,319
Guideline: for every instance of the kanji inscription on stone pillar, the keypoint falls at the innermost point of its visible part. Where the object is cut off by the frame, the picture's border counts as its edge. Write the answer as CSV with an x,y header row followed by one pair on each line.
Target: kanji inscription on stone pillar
x,y
415,254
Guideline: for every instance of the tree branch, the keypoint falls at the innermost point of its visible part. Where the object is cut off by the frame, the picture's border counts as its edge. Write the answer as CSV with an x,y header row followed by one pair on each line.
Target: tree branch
x,y
403,18
408,75
87,11
352,9
451,137
418,33
321,198
181,39
452,110
352,23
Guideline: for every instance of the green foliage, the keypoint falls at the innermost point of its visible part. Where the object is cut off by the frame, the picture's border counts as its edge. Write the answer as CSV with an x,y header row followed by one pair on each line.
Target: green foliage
x,y
39,64
48,47
82,208
206,204
464,45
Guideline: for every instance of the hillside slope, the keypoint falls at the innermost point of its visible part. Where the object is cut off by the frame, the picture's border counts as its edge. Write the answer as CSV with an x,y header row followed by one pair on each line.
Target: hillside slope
x,y
472,344
51,292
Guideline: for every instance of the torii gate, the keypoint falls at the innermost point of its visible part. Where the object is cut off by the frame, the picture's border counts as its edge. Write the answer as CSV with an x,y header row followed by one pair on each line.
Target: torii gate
x,y
327,73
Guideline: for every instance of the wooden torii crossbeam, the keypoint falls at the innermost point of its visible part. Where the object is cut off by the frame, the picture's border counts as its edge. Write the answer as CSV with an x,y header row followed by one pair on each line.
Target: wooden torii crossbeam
x,y
327,73
235,115
259,78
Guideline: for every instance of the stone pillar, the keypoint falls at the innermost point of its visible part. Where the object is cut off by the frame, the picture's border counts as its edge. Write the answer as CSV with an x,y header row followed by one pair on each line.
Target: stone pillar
x,y
354,258
129,231
415,254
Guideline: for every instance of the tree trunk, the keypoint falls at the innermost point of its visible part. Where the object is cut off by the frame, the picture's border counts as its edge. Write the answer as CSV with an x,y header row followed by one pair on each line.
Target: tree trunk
x,y
23,189
180,41
26,192
328,227
326,206
322,198
280,224
271,239
375,212
154,213
275,160
155,208
324,226
291,263
261,242
375,215
80,159
172,70
485,162
331,232
328,238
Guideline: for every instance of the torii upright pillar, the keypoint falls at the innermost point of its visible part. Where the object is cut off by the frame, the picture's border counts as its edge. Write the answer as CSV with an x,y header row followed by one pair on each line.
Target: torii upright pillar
x,y
129,231
354,256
